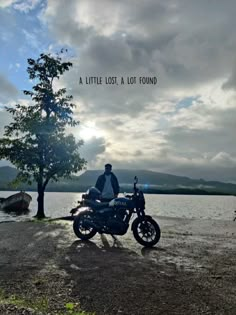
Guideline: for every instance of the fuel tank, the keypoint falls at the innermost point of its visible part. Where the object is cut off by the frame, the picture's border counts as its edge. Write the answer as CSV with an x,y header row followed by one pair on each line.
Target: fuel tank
x,y
121,203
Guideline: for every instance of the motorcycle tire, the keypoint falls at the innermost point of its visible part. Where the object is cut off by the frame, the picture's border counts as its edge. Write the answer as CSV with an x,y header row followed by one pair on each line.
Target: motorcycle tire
x,y
80,231
146,226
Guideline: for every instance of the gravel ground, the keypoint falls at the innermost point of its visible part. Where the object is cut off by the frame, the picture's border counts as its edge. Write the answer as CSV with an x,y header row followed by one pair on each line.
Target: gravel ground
x,y
191,271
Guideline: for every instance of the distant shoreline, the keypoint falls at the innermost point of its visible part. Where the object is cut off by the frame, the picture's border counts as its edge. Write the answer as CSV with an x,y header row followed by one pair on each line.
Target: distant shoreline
x,y
178,191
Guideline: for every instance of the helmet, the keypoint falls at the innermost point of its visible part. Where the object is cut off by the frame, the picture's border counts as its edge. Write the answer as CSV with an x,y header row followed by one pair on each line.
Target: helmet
x,y
93,193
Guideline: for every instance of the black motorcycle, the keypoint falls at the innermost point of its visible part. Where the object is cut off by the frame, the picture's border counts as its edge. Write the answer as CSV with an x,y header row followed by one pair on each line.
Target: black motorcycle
x,y
114,217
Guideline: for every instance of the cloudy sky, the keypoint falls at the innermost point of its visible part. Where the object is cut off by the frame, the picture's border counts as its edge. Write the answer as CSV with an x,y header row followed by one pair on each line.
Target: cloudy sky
x,y
184,125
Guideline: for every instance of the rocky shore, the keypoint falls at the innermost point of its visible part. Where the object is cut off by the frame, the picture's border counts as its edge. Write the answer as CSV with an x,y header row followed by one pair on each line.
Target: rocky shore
x,y
44,269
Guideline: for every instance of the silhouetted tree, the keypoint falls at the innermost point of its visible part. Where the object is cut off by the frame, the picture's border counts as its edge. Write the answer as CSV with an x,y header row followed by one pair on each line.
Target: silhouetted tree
x,y
36,141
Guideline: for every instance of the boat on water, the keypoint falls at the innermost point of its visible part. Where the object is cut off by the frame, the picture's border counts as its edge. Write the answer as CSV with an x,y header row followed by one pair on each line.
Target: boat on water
x,y
17,202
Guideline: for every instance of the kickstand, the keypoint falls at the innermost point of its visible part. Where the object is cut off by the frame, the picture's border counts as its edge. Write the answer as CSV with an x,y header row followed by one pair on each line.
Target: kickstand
x,y
116,243
114,238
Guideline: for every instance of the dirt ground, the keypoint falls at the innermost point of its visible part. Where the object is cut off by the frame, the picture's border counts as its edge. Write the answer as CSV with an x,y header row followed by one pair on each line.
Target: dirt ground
x,y
192,270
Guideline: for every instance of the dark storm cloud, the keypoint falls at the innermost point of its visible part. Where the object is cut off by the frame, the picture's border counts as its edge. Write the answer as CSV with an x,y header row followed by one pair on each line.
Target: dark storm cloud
x,y
163,39
190,46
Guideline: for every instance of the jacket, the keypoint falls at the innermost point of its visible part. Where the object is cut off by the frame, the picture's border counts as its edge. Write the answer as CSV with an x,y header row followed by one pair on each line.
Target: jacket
x,y
114,182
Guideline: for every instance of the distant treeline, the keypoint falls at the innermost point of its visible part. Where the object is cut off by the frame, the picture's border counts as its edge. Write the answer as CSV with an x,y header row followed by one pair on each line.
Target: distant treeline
x,y
54,187
184,191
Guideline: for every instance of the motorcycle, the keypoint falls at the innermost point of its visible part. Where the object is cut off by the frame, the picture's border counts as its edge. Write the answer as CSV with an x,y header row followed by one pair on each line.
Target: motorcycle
x,y
113,218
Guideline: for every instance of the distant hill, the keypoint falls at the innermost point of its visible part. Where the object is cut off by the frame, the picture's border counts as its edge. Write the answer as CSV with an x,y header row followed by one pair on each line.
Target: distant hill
x,y
145,177
151,182
7,174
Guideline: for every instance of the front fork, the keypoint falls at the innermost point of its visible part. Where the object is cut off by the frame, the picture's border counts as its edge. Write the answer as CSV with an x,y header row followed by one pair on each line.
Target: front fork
x,y
140,216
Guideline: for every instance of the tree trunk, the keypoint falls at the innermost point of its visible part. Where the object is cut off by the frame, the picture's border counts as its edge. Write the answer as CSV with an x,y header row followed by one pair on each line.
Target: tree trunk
x,y
40,214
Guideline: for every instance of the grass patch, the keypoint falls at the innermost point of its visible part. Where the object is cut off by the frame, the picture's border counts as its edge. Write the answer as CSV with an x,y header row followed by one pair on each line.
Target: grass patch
x,y
73,309
42,305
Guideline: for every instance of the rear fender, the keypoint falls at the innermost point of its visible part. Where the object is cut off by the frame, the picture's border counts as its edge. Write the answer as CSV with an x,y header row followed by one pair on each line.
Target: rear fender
x,y
139,219
83,210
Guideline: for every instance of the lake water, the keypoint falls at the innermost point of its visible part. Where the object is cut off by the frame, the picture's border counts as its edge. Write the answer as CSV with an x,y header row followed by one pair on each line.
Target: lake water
x,y
185,206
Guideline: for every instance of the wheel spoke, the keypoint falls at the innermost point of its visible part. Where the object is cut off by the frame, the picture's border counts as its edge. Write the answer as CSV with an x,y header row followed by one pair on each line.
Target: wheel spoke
x,y
84,230
146,231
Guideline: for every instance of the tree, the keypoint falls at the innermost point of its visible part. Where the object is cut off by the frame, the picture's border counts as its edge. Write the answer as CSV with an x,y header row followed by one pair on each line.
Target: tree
x,y
36,141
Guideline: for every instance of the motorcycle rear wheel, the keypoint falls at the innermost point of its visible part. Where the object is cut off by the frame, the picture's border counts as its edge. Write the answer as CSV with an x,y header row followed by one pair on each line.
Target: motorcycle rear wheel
x,y
146,231
80,231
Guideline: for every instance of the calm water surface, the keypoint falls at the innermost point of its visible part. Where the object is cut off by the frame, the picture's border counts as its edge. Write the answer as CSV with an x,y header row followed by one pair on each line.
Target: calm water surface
x,y
201,207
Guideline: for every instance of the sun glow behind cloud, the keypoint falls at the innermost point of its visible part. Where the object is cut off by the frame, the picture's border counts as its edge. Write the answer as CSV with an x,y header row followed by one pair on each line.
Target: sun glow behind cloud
x,y
89,130
183,125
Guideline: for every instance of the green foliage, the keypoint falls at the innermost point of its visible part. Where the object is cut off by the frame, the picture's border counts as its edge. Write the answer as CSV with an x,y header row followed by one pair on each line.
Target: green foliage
x,y
70,306
73,309
41,304
36,141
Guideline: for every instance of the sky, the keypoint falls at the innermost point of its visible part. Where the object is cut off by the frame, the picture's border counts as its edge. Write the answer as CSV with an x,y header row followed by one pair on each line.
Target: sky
x,y
184,124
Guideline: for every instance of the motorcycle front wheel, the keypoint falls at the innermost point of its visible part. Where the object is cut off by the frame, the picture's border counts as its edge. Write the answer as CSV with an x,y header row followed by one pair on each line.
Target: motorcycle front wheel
x,y
146,231
80,230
